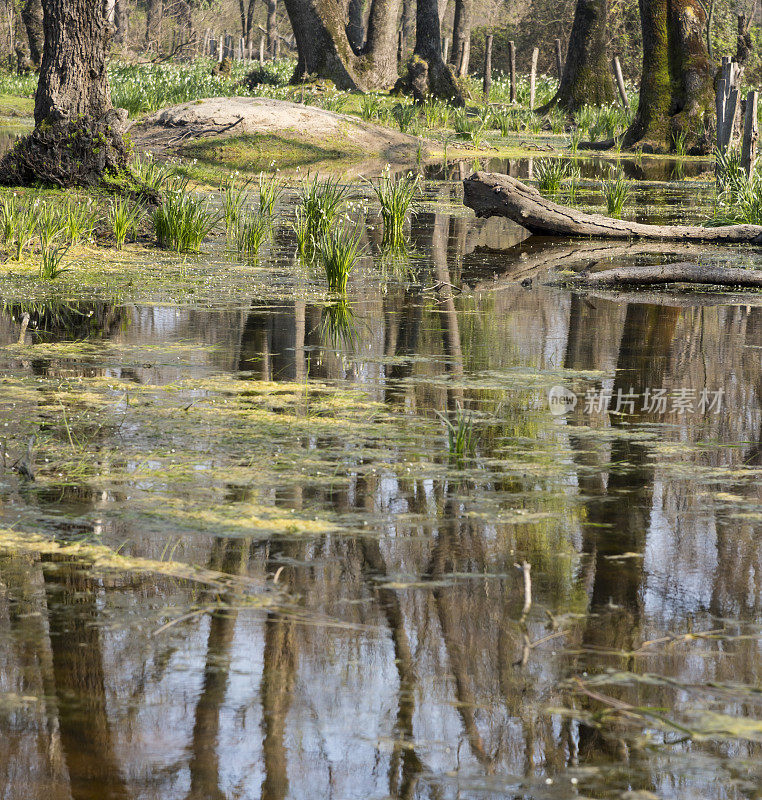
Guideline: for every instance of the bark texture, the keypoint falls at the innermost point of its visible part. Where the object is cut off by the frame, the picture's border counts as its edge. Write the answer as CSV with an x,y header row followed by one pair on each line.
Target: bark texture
x,y
31,15
676,87
461,36
78,135
325,51
586,77
272,27
680,272
491,194
428,74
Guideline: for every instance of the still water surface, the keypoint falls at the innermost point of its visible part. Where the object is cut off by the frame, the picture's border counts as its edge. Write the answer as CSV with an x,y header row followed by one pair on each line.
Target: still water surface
x,y
264,437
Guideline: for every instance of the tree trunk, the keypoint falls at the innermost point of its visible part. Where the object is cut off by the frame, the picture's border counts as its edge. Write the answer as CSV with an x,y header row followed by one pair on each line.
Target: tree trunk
x,y
586,77
272,27
324,48
429,75
676,86
153,13
461,36
407,23
31,15
355,25
493,195
78,135
120,21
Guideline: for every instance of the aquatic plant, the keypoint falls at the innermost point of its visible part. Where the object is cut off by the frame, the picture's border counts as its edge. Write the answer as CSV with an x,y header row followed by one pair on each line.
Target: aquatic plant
x,y
679,140
9,212
234,197
151,173
575,137
251,232
557,120
549,172
183,220
270,189
615,192
50,260
396,194
739,196
49,224
78,221
505,121
338,324
124,218
338,250
19,224
461,437
320,201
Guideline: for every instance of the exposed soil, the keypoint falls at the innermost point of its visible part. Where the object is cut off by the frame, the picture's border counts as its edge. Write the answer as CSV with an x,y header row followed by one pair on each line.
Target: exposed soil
x,y
171,130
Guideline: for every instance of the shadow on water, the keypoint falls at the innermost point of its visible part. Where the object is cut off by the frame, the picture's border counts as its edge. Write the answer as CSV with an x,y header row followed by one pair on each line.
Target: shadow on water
x,y
301,441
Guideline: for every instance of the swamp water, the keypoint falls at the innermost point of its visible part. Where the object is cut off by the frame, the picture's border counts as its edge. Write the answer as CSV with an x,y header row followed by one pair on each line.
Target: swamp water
x,y
257,562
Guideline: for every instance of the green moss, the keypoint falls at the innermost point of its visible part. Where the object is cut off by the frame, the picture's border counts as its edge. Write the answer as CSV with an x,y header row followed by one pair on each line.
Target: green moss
x,y
253,153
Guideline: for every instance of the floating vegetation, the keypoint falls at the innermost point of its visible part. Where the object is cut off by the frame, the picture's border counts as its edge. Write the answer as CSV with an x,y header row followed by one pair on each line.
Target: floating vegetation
x,y
183,220
124,218
396,194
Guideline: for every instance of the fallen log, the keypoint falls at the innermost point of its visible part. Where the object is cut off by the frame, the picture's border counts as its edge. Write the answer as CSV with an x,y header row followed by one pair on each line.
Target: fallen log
x,y
678,272
490,194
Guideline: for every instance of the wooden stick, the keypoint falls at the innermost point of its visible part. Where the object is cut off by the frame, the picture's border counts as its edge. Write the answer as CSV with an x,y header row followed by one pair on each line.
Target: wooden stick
x,y
512,60
620,83
487,82
750,134
533,76
732,111
559,60
720,106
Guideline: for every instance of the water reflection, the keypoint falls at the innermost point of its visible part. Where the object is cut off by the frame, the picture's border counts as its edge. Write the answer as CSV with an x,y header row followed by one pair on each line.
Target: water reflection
x,y
410,673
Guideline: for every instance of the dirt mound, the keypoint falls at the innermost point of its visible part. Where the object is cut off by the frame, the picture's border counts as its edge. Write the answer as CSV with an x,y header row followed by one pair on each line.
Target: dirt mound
x,y
173,128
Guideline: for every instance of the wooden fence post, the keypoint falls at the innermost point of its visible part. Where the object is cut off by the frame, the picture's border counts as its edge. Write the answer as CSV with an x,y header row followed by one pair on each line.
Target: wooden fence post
x,y
512,61
620,83
533,76
750,134
487,82
559,60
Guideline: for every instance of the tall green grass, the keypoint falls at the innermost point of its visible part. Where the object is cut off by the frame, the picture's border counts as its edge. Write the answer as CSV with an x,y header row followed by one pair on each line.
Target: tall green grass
x,y
338,250
183,220
396,194
124,218
615,193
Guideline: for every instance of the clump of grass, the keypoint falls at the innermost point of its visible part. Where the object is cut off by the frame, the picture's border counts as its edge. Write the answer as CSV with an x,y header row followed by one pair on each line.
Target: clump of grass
x,y
151,173
507,121
124,218
19,224
396,193
270,189
370,107
49,224
739,196
50,261
615,192
319,202
183,221
549,173
78,221
404,114
679,142
461,436
575,137
234,197
251,233
338,250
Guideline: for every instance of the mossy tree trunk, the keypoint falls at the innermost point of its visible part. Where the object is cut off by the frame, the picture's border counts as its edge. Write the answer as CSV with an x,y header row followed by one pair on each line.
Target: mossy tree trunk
x,y
676,86
428,73
77,138
31,15
325,50
586,78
